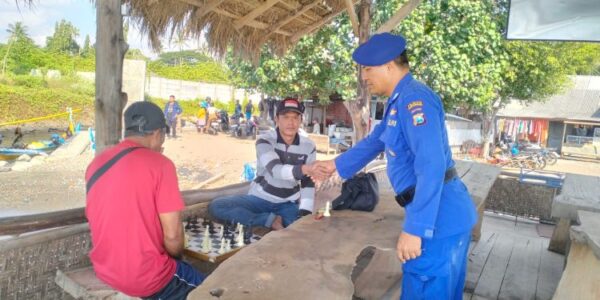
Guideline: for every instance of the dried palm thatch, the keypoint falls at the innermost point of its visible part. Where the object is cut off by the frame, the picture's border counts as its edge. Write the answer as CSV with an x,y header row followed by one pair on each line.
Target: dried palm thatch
x,y
242,25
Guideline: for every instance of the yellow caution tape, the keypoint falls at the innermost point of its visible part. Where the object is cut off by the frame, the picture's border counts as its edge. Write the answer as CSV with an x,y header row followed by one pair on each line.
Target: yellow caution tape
x,y
38,119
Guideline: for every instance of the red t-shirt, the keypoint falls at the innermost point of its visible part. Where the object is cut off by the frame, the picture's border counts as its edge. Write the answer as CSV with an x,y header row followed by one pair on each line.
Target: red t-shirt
x,y
122,208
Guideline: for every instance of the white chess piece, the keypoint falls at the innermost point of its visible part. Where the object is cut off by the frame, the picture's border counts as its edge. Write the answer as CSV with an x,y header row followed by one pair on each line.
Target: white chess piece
x,y
206,246
240,237
327,212
227,246
222,249
221,231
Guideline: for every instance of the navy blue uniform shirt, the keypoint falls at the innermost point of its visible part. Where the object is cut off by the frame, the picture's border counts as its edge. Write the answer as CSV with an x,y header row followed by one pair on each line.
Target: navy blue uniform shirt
x,y
414,137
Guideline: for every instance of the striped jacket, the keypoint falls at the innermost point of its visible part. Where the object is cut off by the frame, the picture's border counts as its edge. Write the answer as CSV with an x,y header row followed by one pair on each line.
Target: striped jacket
x,y
279,175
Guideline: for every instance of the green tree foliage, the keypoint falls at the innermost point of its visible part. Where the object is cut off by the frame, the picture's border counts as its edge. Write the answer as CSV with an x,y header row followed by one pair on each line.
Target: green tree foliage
x,y
205,71
188,57
318,66
63,39
87,49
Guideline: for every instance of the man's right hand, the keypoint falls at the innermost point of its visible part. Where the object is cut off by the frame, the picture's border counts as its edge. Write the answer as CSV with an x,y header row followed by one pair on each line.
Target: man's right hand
x,y
316,171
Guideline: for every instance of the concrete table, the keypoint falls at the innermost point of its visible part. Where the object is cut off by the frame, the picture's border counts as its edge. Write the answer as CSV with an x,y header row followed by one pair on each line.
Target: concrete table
x,y
581,277
350,253
579,192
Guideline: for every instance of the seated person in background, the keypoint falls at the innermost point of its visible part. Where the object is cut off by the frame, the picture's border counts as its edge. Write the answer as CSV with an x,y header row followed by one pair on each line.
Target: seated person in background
x,y
134,213
282,190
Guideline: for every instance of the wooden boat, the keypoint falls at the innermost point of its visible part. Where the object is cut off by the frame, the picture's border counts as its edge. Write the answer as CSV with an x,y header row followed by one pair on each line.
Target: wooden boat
x,y
14,153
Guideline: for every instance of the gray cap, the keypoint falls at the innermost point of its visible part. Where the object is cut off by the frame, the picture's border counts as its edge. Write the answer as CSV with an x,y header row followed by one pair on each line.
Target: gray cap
x,y
144,117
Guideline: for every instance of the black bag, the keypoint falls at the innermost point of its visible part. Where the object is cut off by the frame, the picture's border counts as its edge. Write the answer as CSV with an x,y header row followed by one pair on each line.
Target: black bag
x,y
360,192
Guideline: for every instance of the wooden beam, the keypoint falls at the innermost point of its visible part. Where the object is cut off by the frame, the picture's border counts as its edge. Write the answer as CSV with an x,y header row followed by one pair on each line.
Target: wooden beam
x,y
404,11
291,5
352,14
253,23
326,19
254,13
21,224
204,7
291,16
110,52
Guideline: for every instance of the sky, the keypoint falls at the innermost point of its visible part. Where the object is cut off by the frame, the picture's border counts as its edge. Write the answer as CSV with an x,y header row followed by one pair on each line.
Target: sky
x,y
41,18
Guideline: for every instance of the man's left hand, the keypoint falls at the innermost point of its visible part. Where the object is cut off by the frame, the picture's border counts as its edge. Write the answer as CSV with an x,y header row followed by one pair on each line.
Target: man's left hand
x,y
408,247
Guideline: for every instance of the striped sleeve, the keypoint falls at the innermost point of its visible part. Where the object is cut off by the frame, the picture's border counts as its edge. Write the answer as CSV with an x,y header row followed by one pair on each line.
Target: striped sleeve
x,y
265,152
307,186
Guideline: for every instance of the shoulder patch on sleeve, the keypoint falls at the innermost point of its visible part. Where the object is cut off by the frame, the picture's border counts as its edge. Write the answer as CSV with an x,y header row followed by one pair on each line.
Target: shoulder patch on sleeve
x,y
419,119
414,105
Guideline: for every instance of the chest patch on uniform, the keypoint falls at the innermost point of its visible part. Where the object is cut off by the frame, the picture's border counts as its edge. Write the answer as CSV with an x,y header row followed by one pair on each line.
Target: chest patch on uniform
x,y
392,123
393,111
419,119
415,104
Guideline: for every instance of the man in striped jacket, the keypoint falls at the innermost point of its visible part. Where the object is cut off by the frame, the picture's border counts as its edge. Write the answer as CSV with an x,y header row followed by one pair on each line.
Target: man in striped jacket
x,y
283,190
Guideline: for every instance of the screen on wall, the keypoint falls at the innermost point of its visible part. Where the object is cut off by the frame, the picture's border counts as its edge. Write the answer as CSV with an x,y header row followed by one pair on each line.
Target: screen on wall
x,y
562,20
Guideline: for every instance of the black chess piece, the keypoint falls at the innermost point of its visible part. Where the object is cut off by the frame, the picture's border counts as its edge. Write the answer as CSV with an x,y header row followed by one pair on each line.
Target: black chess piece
x,y
188,226
193,221
247,236
211,227
205,223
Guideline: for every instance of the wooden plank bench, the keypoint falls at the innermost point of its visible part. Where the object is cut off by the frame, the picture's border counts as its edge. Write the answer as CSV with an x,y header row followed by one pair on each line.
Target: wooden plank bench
x,y
83,284
581,277
322,143
579,192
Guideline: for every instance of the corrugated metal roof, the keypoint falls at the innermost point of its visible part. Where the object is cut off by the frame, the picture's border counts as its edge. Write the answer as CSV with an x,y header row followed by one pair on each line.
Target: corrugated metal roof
x,y
582,102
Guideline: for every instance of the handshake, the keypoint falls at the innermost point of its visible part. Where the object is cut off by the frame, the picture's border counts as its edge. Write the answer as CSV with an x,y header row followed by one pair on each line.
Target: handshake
x,y
319,171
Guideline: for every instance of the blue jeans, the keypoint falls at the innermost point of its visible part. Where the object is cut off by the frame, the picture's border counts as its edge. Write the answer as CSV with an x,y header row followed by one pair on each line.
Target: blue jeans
x,y
185,279
252,211
440,271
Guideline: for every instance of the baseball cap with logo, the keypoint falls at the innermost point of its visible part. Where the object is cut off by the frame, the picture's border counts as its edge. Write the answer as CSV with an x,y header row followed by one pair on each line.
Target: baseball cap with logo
x,y
144,117
290,104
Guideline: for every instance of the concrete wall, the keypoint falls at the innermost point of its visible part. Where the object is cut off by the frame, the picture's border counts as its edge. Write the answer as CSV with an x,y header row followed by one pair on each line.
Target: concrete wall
x,y
136,84
134,74
163,88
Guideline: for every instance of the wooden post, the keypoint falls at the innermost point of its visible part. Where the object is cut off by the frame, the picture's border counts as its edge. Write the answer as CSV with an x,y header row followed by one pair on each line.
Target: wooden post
x,y
110,52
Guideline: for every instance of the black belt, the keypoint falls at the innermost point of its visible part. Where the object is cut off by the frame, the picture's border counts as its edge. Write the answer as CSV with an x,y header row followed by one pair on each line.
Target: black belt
x,y
407,195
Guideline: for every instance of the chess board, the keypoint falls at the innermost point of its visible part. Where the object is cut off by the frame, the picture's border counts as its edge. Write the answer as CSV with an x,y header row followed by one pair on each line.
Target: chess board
x,y
195,232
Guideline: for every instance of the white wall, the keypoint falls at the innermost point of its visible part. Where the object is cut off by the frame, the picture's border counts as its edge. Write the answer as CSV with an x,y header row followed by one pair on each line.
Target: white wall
x,y
461,131
163,88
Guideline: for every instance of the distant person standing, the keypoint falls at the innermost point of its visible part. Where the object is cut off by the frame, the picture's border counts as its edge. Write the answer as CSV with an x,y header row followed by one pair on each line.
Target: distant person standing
x,y
316,126
272,108
249,110
172,112
237,113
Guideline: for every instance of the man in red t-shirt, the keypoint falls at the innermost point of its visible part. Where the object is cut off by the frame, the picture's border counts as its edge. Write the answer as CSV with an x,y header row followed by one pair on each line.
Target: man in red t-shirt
x,y
134,212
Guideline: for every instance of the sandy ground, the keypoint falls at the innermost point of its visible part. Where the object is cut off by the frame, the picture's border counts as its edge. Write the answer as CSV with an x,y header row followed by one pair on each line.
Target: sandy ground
x,y
198,157
60,185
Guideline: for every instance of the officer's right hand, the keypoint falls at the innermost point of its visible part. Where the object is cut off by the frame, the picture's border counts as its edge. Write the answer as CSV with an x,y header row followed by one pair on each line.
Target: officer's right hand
x,y
408,247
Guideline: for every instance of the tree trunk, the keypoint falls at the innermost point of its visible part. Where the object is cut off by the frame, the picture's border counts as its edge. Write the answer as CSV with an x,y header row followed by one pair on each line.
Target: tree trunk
x,y
487,127
359,109
111,49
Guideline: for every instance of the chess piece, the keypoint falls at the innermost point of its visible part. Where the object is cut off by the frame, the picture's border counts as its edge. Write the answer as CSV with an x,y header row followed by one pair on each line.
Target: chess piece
x,y
227,246
221,229
327,212
248,236
222,248
240,237
206,245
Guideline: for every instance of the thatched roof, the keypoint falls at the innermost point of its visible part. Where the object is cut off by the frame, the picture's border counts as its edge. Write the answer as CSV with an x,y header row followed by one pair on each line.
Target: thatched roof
x,y
243,25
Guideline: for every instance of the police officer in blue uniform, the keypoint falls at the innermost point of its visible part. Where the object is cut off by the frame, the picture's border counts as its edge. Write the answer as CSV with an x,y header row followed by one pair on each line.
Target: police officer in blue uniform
x,y
435,238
